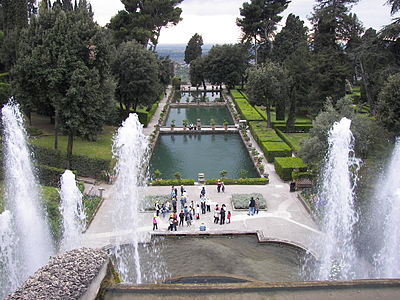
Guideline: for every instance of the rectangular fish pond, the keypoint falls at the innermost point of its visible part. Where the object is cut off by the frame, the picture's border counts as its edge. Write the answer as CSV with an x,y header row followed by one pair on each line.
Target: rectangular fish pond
x,y
191,97
205,114
190,154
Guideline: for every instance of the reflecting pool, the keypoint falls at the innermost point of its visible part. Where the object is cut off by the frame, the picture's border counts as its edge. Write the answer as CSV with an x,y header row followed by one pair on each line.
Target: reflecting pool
x,y
205,114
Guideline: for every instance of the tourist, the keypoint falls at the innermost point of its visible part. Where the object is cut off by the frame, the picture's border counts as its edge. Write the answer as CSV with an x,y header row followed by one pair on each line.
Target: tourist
x,y
188,218
170,222
216,214
223,187
203,205
157,208
182,189
203,192
252,204
173,194
174,222
257,207
155,226
181,217
208,204
197,210
219,186
192,207
174,204
203,227
183,201
222,214
228,217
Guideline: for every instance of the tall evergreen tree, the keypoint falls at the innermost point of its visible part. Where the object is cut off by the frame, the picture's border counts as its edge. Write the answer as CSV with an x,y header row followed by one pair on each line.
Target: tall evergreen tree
x,y
258,22
193,49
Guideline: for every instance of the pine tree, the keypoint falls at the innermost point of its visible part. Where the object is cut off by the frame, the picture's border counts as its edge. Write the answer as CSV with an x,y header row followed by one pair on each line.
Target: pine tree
x,y
193,49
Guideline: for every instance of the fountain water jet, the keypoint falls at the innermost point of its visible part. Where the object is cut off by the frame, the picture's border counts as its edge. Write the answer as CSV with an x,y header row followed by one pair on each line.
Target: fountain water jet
x,y
34,244
130,148
74,218
336,196
388,198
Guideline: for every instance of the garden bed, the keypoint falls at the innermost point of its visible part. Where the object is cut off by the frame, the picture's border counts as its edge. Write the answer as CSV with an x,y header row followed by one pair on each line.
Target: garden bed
x,y
241,201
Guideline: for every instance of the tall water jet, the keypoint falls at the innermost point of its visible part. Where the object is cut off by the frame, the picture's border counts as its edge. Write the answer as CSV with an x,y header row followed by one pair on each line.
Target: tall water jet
x,y
74,218
336,196
22,196
9,277
130,148
388,200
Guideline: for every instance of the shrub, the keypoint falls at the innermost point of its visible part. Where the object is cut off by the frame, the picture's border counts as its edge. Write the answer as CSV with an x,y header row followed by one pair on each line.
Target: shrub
x,y
297,127
241,181
286,139
298,175
49,176
34,131
90,204
84,166
284,166
150,201
247,111
275,149
166,182
261,133
241,201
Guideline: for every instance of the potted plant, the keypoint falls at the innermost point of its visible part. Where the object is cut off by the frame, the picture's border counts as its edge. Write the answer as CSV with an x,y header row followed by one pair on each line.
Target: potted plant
x,y
261,168
178,176
212,123
185,124
225,123
172,125
223,173
157,174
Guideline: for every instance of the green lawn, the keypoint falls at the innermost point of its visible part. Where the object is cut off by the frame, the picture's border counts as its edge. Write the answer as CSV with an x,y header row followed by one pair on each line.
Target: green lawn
x,y
99,149
299,119
295,138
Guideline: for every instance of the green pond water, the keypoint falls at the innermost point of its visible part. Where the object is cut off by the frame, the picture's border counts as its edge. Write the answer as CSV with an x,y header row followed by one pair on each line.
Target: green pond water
x,y
190,154
205,114
188,97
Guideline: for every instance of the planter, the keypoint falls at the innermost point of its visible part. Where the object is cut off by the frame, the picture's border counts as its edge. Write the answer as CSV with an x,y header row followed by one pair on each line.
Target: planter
x,y
172,128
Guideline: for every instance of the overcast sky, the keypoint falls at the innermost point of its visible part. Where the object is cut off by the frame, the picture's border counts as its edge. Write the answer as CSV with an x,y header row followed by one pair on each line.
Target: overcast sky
x,y
215,19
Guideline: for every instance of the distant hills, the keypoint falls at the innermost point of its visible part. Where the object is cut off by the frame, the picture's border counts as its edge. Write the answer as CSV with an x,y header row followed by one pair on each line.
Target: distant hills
x,y
176,52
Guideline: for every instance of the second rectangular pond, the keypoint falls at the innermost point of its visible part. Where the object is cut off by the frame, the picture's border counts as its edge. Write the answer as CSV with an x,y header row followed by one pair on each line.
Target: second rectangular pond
x,y
205,114
190,154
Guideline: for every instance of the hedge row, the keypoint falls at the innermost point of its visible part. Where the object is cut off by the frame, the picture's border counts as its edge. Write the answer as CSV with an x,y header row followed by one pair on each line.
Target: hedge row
x,y
143,115
261,133
286,139
84,166
241,201
246,110
49,176
284,166
236,94
275,149
166,182
297,127
299,174
241,181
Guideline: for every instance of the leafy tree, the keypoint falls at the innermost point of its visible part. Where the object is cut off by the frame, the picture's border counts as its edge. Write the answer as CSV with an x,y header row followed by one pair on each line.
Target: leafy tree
x,y
197,71
142,20
291,49
395,6
226,64
166,70
193,49
267,85
258,22
65,55
389,104
137,73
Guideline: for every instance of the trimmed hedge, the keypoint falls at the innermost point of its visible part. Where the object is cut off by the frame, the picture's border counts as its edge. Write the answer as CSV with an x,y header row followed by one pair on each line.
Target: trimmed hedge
x,y
286,139
84,166
298,175
284,166
143,115
166,182
241,181
297,127
241,201
275,149
49,176
247,111
261,133
150,201
236,94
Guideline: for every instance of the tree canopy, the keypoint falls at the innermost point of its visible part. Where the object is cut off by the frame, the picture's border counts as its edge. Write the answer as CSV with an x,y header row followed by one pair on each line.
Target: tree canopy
x,y
389,104
193,49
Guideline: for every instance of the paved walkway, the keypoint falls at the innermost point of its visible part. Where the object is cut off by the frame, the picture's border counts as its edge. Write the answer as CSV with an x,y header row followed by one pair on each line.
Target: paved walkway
x,y
285,218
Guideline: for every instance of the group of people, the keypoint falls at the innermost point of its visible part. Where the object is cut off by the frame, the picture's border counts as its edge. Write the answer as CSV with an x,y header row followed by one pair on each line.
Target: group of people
x,y
189,211
254,206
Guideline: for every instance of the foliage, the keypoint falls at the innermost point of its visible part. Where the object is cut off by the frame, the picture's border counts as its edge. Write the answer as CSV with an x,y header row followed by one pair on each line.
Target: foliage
x,y
223,173
177,175
142,20
85,166
236,94
51,201
157,173
267,85
226,64
292,139
137,73
49,176
284,166
246,110
197,72
91,204
298,175
193,49
243,173
389,104
261,133
166,182
176,83
241,181
275,149
241,201
259,20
